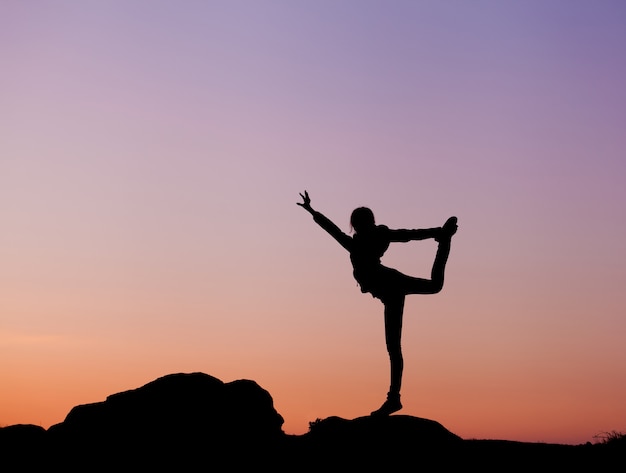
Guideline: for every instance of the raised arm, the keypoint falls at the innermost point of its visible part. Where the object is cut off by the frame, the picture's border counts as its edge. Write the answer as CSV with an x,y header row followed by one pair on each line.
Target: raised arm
x,y
324,222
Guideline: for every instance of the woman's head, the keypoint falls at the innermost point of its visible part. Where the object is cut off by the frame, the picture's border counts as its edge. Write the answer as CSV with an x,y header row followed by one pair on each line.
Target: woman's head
x,y
361,219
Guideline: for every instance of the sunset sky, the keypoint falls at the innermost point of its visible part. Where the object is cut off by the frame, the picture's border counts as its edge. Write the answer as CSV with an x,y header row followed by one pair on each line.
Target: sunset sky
x,y
151,156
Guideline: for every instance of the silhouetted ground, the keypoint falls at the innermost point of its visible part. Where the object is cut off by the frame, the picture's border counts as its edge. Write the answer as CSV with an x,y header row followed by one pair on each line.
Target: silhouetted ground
x,y
195,422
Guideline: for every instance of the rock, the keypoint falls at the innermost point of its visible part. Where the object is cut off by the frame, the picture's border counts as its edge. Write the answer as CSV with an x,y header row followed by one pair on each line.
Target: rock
x,y
184,422
381,442
23,447
176,418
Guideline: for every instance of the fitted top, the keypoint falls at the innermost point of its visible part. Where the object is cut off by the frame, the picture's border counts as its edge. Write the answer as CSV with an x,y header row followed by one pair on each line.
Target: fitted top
x,y
366,248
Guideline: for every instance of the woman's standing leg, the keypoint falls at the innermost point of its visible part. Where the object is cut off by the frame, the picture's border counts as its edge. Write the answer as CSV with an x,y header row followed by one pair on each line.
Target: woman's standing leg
x,y
394,308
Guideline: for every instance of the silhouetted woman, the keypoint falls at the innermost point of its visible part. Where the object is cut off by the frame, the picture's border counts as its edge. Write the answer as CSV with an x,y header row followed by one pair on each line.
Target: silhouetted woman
x,y
366,247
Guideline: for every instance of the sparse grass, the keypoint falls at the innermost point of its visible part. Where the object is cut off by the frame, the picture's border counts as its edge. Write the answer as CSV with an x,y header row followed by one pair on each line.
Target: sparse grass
x,y
314,424
612,437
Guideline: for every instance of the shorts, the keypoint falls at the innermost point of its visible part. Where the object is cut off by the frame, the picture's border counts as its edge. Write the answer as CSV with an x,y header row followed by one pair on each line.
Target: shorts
x,y
383,283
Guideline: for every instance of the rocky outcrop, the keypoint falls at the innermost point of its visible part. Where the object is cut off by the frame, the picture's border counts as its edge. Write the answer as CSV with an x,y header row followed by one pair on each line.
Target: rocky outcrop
x,y
184,422
181,403
174,419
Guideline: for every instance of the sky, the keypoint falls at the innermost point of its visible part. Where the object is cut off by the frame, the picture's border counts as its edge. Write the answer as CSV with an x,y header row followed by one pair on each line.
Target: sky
x,y
152,154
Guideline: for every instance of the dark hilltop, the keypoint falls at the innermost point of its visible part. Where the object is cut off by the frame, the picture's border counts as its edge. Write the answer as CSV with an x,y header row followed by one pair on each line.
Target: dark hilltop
x,y
197,422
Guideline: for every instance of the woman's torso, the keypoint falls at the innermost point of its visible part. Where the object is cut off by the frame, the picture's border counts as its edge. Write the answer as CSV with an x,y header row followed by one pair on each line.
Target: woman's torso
x,y
366,252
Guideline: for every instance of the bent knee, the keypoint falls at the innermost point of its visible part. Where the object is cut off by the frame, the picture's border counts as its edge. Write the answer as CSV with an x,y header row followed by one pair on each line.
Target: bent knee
x,y
434,287
437,287
426,286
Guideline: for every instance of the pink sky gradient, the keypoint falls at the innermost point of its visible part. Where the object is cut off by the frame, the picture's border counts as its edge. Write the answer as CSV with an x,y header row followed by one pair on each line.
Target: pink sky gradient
x,y
151,156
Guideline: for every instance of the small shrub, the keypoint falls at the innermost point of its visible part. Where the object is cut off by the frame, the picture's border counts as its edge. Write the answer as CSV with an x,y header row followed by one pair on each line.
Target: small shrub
x,y
612,437
314,424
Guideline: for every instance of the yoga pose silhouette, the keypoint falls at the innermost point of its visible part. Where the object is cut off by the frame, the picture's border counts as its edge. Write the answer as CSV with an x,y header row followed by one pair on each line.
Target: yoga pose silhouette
x,y
366,247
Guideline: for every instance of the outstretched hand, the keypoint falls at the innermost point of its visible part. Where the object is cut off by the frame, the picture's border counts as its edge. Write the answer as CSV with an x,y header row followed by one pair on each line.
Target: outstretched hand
x,y
306,201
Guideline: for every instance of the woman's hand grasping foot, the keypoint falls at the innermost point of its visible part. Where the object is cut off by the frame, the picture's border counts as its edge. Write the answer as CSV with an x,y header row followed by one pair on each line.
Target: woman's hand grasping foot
x,y
449,228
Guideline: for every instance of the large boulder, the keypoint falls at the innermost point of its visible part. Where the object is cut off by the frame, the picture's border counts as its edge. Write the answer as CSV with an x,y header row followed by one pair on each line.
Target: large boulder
x,y
179,417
